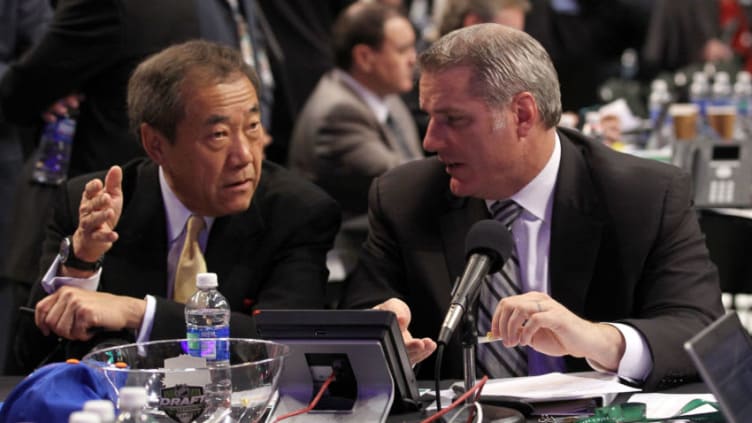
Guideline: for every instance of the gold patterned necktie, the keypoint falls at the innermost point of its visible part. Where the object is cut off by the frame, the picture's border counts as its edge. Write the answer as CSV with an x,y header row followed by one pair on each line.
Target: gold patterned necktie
x,y
191,261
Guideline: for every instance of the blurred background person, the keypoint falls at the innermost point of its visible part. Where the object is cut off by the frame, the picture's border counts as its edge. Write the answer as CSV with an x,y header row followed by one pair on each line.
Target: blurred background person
x,y
461,13
585,39
682,33
303,30
22,24
354,126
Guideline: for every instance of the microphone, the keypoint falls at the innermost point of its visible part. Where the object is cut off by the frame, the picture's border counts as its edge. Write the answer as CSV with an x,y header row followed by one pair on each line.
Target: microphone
x,y
488,245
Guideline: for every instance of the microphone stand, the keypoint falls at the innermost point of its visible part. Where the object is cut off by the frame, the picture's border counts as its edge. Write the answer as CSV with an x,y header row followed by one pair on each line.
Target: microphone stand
x,y
490,413
469,343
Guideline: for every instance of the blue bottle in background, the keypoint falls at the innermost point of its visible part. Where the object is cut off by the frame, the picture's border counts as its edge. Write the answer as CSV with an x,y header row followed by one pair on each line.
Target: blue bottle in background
x,y
54,151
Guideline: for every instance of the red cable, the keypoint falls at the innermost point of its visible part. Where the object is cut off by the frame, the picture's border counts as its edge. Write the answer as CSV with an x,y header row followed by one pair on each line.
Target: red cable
x,y
478,387
313,403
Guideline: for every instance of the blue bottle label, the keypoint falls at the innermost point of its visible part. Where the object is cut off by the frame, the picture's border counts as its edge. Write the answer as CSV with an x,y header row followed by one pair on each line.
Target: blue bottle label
x,y
202,344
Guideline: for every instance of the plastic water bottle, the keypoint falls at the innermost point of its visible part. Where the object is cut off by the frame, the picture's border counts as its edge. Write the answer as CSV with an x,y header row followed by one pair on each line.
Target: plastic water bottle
x,y
658,102
133,400
54,151
207,317
84,417
743,100
721,90
699,93
103,408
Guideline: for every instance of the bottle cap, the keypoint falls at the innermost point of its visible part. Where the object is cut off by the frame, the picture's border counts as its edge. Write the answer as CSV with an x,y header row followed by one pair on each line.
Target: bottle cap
x,y
743,76
84,417
103,408
206,280
132,397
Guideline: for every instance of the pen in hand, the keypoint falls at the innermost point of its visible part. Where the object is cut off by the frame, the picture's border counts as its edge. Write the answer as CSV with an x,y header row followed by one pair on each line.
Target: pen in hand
x,y
92,330
488,338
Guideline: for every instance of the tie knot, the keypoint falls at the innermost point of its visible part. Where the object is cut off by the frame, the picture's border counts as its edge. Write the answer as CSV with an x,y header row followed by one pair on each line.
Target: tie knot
x,y
195,226
506,211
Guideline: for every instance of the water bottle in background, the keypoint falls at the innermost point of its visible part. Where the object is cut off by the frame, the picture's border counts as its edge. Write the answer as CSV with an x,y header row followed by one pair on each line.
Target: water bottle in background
x,y
629,64
660,120
207,316
103,408
699,93
54,151
84,417
743,100
721,89
721,112
133,400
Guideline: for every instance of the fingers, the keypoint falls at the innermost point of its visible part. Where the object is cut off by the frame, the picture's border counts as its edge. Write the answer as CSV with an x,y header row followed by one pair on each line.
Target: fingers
x,y
62,107
99,211
517,318
419,349
66,314
113,181
400,309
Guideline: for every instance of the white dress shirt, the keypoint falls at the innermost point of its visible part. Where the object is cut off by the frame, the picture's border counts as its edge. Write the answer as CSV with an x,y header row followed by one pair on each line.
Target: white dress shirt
x,y
532,236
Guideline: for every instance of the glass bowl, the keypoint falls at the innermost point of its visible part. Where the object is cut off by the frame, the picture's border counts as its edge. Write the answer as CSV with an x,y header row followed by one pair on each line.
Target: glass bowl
x,y
184,388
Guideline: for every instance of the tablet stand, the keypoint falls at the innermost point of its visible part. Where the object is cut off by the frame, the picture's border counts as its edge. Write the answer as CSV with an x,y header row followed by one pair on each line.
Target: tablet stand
x,y
362,392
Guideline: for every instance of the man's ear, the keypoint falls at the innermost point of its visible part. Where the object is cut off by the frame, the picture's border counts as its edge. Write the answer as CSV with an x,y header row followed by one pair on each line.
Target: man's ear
x,y
153,142
362,56
526,112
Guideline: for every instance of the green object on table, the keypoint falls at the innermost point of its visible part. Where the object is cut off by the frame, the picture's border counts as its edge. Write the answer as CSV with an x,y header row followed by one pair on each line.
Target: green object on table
x,y
634,412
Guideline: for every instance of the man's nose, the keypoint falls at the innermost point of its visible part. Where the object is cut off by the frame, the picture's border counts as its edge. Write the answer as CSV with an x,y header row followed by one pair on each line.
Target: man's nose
x,y
433,139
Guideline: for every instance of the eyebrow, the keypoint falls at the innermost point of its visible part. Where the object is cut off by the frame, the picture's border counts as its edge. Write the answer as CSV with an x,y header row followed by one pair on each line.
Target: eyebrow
x,y
215,119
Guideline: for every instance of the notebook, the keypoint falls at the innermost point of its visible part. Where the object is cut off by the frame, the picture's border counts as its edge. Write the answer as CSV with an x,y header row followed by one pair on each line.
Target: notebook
x,y
722,353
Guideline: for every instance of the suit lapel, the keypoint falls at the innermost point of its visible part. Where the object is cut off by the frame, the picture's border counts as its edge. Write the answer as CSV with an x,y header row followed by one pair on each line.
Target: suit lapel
x,y
143,237
230,236
454,225
358,102
576,229
402,117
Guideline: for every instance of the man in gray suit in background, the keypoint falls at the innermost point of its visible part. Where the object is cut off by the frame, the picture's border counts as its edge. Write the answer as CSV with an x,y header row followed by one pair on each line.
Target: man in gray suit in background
x,y
354,127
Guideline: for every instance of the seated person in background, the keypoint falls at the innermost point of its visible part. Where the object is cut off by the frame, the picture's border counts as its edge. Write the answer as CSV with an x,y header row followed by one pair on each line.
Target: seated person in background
x,y
266,233
353,127
613,269
461,13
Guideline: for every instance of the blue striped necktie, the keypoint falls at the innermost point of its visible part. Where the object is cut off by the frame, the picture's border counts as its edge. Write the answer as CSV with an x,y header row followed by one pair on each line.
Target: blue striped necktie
x,y
493,359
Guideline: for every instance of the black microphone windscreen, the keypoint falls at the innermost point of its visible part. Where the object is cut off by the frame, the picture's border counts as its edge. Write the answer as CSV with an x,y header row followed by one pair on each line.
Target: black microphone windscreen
x,y
490,237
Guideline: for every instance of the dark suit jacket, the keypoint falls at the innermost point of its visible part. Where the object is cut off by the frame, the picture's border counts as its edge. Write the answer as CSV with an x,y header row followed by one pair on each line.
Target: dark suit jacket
x,y
92,47
271,256
339,144
625,247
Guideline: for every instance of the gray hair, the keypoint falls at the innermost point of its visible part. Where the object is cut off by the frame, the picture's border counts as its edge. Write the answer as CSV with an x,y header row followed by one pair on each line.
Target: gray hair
x,y
155,90
505,62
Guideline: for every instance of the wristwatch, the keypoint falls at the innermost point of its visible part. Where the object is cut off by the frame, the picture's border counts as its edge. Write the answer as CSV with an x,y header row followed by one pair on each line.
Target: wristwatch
x,y
68,257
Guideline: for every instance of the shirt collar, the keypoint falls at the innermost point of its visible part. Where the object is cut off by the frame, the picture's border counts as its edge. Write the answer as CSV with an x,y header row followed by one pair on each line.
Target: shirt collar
x,y
374,102
177,214
536,197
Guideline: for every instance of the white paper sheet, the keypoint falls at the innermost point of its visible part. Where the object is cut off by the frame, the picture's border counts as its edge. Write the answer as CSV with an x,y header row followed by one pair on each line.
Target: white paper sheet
x,y
666,405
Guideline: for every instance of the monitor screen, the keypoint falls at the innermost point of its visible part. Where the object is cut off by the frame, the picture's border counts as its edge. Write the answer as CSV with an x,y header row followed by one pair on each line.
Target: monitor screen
x,y
722,354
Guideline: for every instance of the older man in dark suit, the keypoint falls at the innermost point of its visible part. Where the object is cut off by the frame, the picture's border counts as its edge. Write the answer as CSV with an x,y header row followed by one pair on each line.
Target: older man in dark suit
x,y
196,110
611,269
